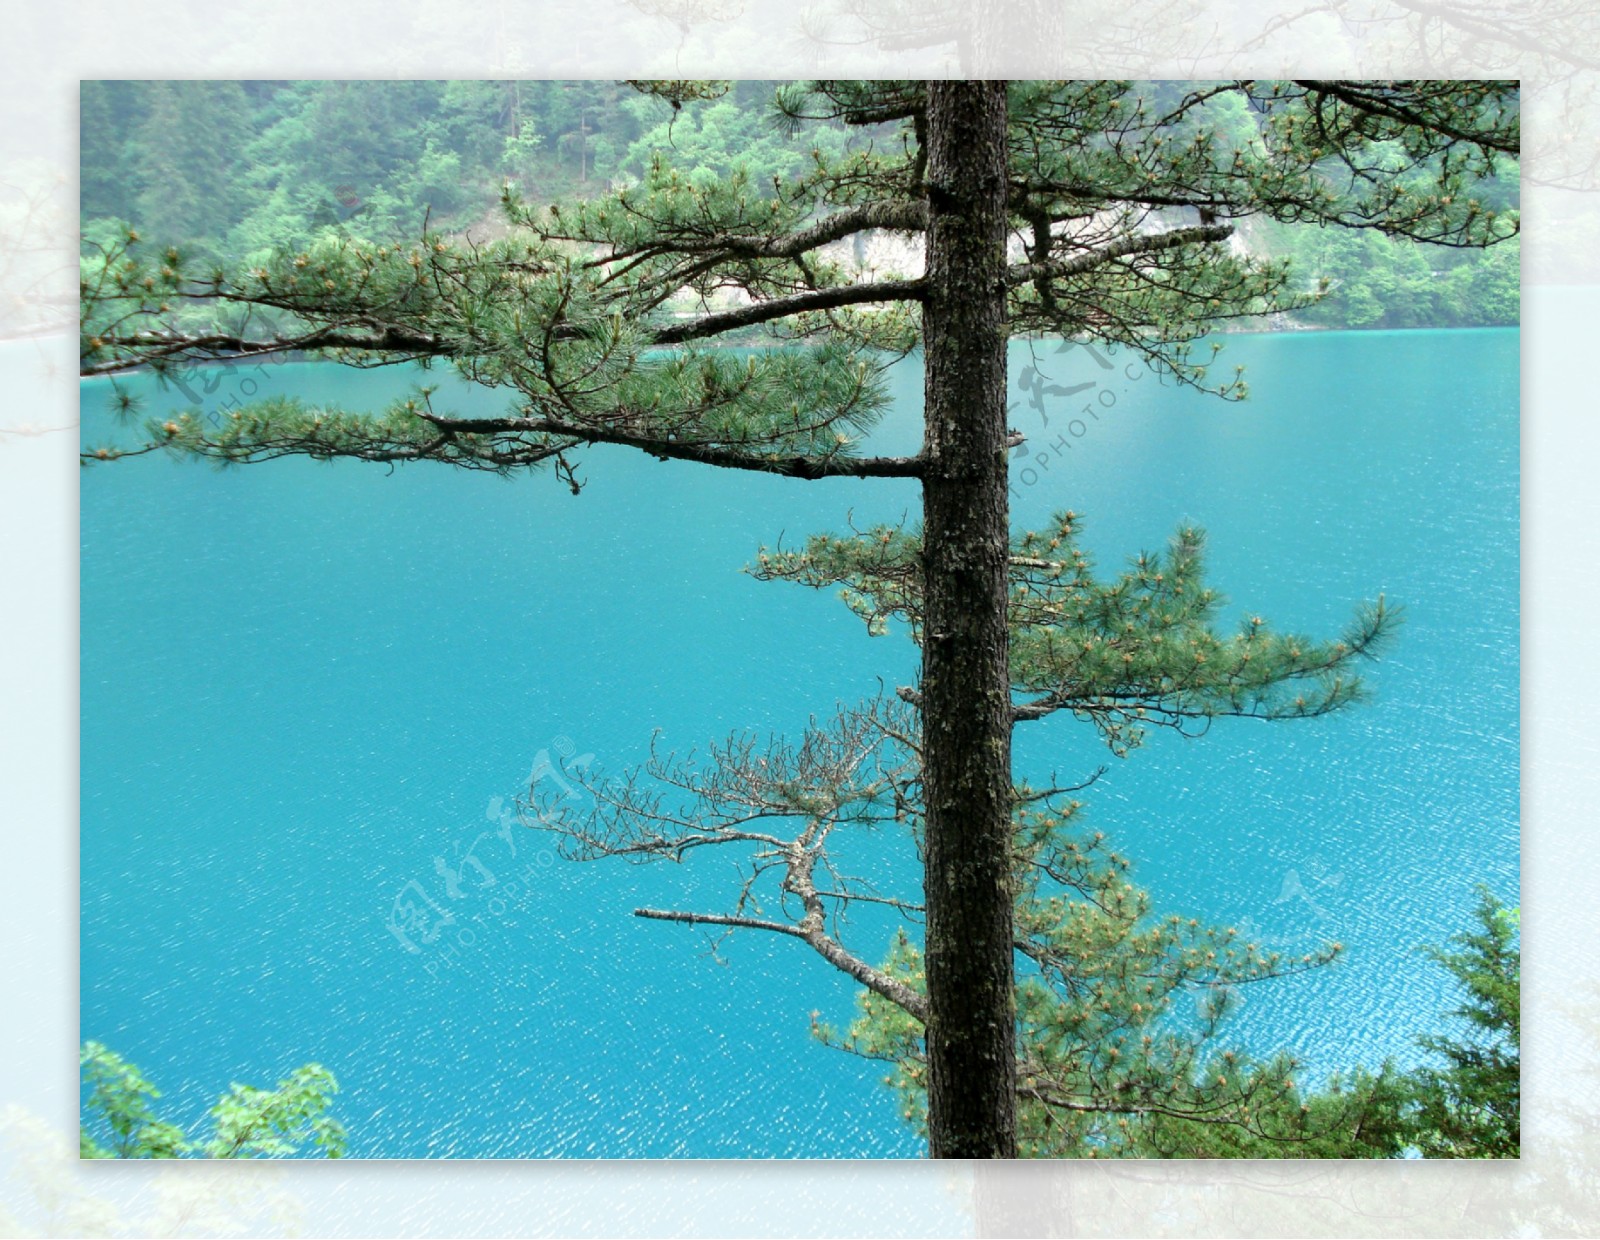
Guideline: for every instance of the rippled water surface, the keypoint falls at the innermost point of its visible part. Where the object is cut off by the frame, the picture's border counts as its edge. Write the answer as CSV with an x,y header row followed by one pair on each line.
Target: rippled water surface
x,y
309,692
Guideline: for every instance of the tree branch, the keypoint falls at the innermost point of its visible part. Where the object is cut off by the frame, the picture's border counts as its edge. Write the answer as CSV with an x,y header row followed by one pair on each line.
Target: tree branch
x,y
159,346
896,992
896,216
1350,93
783,307
1140,243
809,467
155,347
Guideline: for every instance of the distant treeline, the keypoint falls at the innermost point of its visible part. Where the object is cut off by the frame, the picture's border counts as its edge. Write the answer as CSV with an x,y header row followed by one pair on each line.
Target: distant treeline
x,y
235,169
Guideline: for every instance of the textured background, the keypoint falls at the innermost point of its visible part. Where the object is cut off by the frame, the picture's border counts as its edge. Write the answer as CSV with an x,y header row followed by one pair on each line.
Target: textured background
x,y
1551,45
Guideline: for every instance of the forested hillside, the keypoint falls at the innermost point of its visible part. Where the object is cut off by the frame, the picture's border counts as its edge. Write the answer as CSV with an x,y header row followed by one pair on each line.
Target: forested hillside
x,y
232,170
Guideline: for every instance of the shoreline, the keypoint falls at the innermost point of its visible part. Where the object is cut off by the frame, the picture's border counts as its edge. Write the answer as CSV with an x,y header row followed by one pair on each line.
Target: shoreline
x,y
290,357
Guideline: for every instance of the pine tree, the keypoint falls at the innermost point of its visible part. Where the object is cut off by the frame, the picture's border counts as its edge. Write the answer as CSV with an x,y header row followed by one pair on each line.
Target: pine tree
x,y
1060,208
1472,1107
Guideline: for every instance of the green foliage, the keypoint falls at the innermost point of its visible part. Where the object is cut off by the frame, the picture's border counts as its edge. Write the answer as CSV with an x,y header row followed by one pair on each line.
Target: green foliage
x,y
1365,279
493,304
275,1123
1120,1011
1120,1018
119,1106
1114,1066
246,1122
182,151
1472,1107
714,209
1487,291
234,169
709,144
1359,1114
1139,650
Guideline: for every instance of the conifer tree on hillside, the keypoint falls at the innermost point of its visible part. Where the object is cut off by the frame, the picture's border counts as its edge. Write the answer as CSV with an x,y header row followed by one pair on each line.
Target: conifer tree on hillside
x,y
1094,210
182,149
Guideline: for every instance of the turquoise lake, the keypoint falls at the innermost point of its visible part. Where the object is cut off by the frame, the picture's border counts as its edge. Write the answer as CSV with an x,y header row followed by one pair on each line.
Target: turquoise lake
x,y
309,693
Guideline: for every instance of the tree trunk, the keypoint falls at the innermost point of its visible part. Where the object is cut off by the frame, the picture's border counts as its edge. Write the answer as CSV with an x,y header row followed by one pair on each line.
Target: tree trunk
x,y
966,698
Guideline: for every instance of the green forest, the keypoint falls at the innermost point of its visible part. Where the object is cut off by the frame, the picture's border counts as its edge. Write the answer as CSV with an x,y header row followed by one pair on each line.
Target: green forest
x,y
234,170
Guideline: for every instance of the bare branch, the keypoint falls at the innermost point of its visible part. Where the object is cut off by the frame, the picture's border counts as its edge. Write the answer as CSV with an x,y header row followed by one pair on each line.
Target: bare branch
x,y
876,980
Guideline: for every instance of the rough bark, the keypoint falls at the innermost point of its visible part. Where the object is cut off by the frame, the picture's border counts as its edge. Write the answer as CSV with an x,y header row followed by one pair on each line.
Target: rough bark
x,y
965,685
